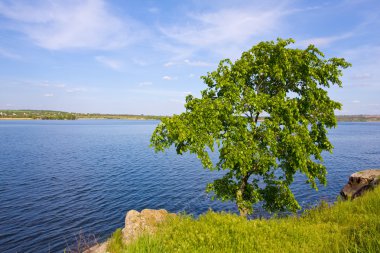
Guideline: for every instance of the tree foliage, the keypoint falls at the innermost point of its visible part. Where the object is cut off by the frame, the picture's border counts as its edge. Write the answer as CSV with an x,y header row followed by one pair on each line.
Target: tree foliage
x,y
285,86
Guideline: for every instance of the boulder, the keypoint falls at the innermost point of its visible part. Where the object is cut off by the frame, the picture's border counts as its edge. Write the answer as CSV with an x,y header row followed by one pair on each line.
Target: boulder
x,y
144,222
360,182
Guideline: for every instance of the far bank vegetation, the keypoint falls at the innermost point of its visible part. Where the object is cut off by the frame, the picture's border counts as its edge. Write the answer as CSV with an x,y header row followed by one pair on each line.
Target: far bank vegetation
x,y
60,115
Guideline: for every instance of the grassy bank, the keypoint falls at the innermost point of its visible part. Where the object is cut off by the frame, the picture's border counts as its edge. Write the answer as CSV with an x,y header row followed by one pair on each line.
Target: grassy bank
x,y
345,227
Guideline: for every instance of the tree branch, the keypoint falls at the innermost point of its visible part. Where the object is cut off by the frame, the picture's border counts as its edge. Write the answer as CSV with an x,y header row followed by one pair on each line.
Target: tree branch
x,y
257,117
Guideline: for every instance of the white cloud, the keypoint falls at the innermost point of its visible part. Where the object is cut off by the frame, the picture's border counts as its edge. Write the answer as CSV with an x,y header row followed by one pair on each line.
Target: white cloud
x,y
161,92
70,24
356,101
168,78
7,54
189,63
108,62
169,64
182,97
42,84
139,62
154,10
72,90
49,86
146,83
197,63
365,66
361,76
364,54
177,101
324,41
60,85
178,52
226,26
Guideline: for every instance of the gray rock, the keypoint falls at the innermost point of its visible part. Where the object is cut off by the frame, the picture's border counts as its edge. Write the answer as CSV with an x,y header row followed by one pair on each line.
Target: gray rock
x,y
145,222
360,182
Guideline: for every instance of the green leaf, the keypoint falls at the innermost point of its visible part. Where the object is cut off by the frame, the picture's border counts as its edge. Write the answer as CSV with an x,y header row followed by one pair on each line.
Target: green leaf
x,y
287,87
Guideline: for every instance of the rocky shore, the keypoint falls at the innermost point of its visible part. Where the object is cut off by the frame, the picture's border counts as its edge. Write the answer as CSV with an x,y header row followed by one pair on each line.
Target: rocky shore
x,y
360,182
137,223
147,220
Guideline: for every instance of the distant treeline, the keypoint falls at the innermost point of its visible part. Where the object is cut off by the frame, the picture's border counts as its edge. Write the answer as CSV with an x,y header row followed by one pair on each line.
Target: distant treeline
x,y
59,115
358,118
116,116
36,114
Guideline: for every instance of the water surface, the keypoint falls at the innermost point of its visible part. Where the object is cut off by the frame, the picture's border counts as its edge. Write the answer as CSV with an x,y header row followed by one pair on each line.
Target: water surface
x,y
61,178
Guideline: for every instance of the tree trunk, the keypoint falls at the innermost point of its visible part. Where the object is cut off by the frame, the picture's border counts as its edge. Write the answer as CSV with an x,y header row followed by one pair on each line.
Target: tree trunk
x,y
243,210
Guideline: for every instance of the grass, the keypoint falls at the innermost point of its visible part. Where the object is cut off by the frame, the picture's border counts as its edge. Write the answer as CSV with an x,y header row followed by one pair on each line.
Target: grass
x,y
352,226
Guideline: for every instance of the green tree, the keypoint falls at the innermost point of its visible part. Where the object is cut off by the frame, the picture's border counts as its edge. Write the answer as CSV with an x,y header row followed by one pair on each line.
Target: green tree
x,y
283,86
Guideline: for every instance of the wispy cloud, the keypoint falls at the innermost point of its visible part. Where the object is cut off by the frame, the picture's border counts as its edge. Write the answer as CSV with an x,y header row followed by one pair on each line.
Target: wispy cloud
x,y
178,52
7,54
168,64
161,92
178,101
49,86
154,10
197,63
70,24
169,78
361,76
146,83
110,63
225,26
60,85
189,63
365,53
324,41
72,90
40,83
140,62
365,69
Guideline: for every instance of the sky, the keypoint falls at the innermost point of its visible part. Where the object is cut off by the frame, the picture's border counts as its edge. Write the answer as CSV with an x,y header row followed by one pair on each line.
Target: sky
x,y
146,56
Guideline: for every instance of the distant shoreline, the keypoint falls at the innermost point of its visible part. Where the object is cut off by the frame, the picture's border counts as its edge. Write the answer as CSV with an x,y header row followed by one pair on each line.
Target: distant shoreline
x,y
16,119
5,119
19,119
60,115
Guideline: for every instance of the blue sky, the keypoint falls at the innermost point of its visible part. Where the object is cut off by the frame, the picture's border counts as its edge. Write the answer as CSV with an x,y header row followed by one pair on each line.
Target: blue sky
x,y
144,57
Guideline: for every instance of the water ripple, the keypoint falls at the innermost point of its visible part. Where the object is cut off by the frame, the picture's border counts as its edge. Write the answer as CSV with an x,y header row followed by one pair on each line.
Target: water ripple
x,y
59,179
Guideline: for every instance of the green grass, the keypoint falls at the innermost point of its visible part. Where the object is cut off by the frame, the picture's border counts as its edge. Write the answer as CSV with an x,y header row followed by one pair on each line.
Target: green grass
x,y
352,226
